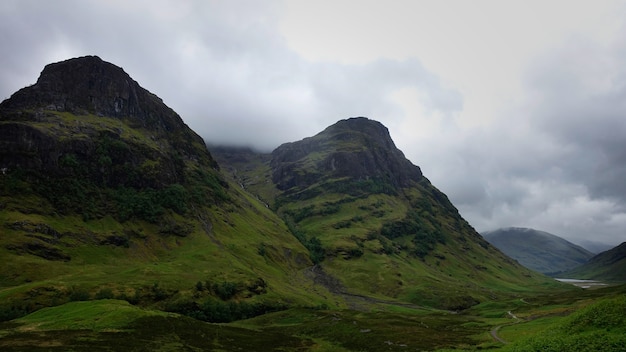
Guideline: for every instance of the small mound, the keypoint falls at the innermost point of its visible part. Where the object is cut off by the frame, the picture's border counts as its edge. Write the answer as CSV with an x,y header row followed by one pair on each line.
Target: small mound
x,y
107,314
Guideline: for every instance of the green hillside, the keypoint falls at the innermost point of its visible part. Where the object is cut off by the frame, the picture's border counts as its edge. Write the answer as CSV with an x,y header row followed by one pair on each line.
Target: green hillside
x,y
373,223
120,231
607,266
102,202
600,326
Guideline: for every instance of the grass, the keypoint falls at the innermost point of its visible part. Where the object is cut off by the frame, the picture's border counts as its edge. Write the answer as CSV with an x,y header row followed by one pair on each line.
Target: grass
x,y
600,326
386,327
92,315
239,240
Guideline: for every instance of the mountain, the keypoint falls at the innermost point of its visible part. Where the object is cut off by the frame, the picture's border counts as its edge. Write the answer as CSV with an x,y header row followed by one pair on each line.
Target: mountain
x,y
119,228
607,266
538,250
374,224
105,192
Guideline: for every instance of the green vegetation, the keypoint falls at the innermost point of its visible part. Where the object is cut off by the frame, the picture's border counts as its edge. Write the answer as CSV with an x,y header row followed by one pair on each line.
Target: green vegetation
x,y
568,320
600,326
142,244
609,266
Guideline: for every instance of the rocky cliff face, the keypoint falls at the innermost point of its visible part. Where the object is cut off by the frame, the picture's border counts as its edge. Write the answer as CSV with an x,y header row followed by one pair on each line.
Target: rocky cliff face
x,y
87,116
357,148
90,85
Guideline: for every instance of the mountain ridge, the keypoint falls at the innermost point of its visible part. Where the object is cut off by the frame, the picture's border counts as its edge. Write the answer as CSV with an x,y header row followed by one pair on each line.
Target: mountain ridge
x,y
361,149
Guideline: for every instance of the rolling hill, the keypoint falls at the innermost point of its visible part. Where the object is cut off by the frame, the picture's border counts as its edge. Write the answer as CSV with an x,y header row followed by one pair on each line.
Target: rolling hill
x,y
607,266
538,250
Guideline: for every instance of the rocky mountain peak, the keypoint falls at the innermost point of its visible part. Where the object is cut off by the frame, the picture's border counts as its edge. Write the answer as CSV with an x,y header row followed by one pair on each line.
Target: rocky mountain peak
x,y
90,85
94,114
370,128
355,148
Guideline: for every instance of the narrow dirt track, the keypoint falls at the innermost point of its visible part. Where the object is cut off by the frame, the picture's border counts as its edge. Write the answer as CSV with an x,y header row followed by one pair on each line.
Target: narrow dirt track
x,y
494,331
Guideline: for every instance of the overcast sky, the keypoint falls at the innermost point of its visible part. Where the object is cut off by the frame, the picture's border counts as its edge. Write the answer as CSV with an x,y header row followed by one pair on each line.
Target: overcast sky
x,y
515,109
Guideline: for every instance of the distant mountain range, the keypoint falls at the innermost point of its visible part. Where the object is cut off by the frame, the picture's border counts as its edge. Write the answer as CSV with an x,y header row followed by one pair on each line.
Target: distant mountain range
x,y
538,250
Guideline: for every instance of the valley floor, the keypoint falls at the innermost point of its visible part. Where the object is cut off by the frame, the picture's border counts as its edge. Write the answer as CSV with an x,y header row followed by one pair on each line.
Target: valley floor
x,y
113,325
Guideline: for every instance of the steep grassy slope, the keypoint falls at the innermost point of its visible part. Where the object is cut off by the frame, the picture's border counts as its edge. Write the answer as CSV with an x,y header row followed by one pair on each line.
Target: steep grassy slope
x,y
538,250
374,224
607,266
105,192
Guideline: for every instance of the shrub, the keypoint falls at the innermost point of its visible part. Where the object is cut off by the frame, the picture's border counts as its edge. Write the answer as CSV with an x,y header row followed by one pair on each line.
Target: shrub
x,y
104,293
79,294
225,290
10,312
199,286
215,311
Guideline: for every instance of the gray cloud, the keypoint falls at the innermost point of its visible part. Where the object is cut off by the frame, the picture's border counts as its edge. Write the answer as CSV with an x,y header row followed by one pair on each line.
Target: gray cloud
x,y
556,161
221,65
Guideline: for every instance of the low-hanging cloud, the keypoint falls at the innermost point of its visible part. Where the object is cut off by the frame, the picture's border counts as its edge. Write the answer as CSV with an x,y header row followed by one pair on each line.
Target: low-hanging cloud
x,y
222,66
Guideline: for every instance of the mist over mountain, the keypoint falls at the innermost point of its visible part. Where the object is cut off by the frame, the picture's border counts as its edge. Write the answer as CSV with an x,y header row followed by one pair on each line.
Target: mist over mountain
x,y
538,250
595,247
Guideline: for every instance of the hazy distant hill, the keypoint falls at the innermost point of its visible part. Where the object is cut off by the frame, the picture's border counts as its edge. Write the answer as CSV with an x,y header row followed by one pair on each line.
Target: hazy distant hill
x,y
606,266
538,250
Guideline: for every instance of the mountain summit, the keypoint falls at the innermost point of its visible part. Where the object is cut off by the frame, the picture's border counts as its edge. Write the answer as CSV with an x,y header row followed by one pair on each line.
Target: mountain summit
x,y
87,116
89,85
356,148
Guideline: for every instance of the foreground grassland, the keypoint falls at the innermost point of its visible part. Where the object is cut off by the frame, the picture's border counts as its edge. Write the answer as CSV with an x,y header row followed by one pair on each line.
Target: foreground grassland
x,y
565,321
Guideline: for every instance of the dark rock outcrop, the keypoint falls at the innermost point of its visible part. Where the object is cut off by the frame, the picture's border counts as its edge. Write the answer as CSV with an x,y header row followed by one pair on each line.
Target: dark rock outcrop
x,y
87,118
89,85
356,148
